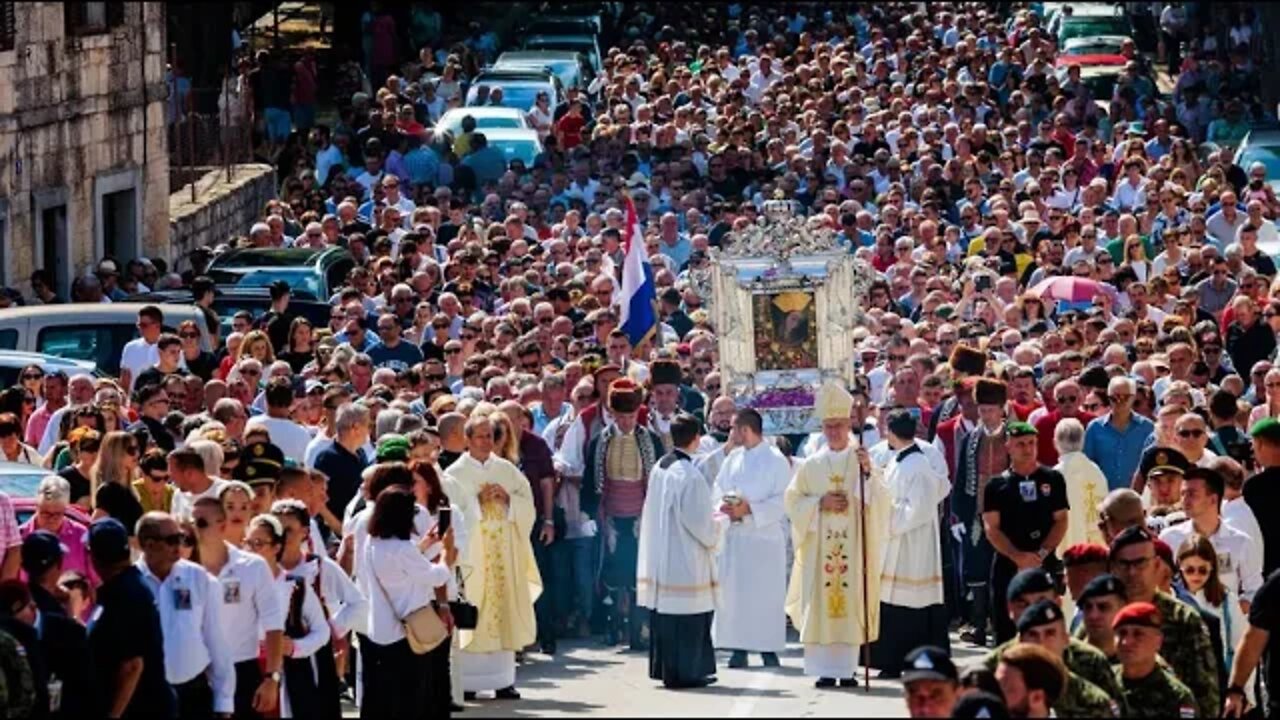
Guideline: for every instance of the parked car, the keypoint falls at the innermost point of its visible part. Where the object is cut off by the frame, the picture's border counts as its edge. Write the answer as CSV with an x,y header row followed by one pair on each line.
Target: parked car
x,y
1094,20
1093,45
314,273
578,42
20,480
569,66
522,145
12,363
231,299
519,86
86,331
486,118
591,24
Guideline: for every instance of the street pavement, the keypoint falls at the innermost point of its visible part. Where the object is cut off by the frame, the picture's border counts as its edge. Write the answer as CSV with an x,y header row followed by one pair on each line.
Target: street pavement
x,y
587,679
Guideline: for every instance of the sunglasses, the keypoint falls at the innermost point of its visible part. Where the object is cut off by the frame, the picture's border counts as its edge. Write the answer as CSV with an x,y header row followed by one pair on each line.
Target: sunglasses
x,y
1197,570
1190,433
33,376
173,540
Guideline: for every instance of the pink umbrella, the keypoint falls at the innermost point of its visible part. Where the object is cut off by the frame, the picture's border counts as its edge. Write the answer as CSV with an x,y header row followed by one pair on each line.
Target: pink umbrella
x,y
1070,288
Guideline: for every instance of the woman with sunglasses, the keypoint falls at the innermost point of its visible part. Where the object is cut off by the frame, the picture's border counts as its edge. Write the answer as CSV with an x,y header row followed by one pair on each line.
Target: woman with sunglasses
x,y
113,475
84,443
1198,573
32,379
195,359
153,488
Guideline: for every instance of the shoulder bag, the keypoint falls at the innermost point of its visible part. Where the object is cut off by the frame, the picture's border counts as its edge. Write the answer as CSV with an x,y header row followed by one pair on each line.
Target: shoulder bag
x,y
466,616
423,628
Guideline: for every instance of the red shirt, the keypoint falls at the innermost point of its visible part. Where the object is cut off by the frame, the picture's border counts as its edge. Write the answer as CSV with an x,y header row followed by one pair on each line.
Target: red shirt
x,y
1046,452
570,127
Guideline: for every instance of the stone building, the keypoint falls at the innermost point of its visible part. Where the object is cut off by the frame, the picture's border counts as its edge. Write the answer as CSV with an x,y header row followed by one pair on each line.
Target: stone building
x,y
84,168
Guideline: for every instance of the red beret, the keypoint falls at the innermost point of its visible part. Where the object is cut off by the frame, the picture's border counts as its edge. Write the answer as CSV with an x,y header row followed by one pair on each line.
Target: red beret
x,y
1164,552
1085,553
1143,614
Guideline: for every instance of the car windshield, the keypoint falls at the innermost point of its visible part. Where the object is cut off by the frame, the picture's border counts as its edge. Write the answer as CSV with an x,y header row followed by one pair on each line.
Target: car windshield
x,y
274,258
1090,26
524,150
19,483
484,121
520,95
303,279
1100,86
565,70
1268,155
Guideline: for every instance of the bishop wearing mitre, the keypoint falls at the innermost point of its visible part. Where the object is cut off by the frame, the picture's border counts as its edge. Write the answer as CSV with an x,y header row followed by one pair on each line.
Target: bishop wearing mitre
x,y
834,510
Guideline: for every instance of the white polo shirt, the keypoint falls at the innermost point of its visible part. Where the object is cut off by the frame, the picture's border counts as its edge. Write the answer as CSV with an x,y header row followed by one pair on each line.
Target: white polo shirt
x,y
249,600
1239,556
194,633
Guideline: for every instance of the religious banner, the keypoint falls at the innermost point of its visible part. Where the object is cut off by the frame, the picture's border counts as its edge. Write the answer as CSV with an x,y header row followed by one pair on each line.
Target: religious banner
x,y
786,298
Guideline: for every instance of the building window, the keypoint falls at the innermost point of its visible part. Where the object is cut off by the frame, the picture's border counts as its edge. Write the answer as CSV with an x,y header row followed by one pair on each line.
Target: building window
x,y
8,25
91,18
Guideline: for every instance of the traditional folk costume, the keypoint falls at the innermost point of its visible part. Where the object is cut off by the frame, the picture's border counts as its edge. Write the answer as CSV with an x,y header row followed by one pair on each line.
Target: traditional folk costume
x,y
613,489
753,563
949,439
983,456
830,600
663,372
911,584
676,572
498,567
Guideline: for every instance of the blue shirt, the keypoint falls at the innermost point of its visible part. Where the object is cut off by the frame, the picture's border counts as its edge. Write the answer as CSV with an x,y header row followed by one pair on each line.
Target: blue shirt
x,y
401,357
680,252
1117,453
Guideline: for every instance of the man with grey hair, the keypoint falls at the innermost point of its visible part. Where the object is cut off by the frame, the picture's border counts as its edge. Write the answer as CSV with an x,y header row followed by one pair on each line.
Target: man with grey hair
x,y
344,460
52,498
1116,440
260,235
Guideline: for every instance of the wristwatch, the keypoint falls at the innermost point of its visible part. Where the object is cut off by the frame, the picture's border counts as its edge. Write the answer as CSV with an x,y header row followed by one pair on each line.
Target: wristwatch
x,y
549,522
1235,690
1042,553
275,677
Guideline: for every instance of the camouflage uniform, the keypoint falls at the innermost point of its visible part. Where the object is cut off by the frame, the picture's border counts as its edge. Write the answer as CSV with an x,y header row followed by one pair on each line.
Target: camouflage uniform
x,y
1158,695
1189,652
1082,659
1083,699
17,688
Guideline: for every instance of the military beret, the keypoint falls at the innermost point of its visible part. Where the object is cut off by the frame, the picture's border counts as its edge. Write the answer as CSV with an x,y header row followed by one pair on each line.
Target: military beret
x,y
1041,612
929,663
1267,428
1084,554
393,448
1020,429
1031,580
1132,535
1143,614
979,704
1102,586
1163,460
1164,552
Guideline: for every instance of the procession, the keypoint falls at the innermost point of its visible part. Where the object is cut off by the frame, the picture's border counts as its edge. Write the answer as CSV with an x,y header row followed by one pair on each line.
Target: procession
x,y
640,359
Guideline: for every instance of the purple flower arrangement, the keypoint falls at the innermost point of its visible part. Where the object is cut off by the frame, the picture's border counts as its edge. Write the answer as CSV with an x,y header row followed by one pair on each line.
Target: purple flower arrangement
x,y
794,397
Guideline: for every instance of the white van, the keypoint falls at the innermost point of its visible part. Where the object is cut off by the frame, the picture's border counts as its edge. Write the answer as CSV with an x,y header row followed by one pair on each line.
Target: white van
x,y
87,331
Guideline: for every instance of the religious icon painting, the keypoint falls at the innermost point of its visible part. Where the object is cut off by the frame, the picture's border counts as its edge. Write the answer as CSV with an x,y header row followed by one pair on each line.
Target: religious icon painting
x,y
786,330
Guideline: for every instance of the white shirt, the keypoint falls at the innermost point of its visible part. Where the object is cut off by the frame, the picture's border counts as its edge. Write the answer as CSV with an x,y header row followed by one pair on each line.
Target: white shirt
x,y
138,355
194,634
1239,515
289,436
184,502
348,607
405,581
358,529
1239,556
318,444
249,599
569,460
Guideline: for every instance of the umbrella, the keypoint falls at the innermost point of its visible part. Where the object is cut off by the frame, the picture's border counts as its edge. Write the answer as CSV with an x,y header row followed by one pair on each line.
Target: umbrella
x,y
1070,288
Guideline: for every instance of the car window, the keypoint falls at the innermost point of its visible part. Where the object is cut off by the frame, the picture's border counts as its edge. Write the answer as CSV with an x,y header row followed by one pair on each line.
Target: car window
x,y
21,484
523,150
8,339
77,343
336,275
298,279
1268,156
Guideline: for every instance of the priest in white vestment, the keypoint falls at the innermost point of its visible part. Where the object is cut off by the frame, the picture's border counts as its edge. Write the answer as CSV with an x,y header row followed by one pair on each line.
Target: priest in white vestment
x,y
751,616
833,598
499,572
676,567
912,604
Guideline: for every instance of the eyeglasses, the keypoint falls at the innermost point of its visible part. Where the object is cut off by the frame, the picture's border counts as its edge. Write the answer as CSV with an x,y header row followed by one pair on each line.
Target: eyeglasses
x,y
1190,433
256,544
1068,399
189,336
438,378
1197,570
1092,406
32,376
173,540
1120,398
452,351
158,477
1135,564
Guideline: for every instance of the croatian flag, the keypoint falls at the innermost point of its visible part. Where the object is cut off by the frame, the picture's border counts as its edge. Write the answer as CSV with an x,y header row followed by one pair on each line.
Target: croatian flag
x,y
638,299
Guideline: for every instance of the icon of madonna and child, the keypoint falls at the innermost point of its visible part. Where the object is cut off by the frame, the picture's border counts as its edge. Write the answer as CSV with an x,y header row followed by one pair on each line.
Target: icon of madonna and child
x,y
786,325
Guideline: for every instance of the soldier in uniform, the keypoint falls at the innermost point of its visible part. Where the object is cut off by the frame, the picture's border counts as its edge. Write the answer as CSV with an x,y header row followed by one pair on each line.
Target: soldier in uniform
x,y
1025,518
1044,624
664,398
1099,602
982,456
1028,588
1149,690
616,473
1187,647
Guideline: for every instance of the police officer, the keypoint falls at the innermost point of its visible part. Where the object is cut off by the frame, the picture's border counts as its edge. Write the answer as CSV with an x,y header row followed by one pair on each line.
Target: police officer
x,y
1025,516
1028,588
1149,690
1187,647
1043,624
1099,602
930,682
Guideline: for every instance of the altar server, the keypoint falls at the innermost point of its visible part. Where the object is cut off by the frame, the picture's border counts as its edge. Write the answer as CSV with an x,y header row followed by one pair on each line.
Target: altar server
x,y
753,564
676,571
838,520
911,590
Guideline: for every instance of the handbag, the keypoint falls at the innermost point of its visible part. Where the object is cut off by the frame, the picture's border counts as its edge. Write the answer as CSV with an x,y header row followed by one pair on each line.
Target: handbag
x,y
466,616
423,627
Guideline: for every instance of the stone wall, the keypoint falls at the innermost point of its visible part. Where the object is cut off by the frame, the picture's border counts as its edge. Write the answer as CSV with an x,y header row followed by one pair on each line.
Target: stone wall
x,y
221,210
81,116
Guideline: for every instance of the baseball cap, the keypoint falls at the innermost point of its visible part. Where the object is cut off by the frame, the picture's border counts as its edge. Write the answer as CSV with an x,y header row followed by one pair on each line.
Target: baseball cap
x,y
929,663
40,551
109,540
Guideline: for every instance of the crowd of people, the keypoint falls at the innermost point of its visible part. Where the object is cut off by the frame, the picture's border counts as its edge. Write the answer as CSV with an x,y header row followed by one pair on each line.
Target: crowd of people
x,y
476,457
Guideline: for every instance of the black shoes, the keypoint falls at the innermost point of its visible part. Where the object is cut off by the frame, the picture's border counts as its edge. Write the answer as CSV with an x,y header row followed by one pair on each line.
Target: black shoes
x,y
738,660
825,683
507,693
849,682
469,696
694,685
770,659
548,647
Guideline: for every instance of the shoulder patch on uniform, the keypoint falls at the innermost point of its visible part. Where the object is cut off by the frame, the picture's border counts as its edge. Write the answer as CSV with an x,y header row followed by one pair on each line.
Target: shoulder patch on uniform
x,y
1186,711
1115,708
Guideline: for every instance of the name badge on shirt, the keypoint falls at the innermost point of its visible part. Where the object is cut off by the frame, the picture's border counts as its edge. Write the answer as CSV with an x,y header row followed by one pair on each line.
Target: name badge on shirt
x,y
231,592
181,599
1027,489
